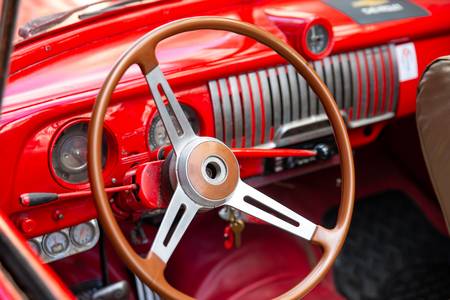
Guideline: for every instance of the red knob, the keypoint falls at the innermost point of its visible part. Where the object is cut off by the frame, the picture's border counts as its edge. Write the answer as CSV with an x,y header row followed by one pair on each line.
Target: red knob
x,y
27,225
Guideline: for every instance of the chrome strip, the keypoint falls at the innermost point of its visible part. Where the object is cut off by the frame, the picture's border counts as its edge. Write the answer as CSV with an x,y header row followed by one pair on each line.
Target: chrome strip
x,y
226,106
237,111
267,104
375,119
355,83
364,87
276,101
371,80
217,108
396,76
280,140
285,95
247,110
303,96
328,72
337,80
257,106
380,86
294,86
144,292
313,100
388,77
319,65
346,81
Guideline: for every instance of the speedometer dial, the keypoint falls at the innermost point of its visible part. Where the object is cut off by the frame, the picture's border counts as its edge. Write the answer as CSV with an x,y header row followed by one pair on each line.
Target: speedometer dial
x,y
317,39
157,134
56,243
69,156
83,234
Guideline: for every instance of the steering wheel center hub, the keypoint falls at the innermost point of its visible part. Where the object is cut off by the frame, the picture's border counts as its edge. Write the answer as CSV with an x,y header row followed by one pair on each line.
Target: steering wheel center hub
x,y
208,172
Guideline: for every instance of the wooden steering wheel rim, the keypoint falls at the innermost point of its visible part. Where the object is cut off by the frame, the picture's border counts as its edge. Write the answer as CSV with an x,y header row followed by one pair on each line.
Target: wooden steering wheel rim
x,y
142,53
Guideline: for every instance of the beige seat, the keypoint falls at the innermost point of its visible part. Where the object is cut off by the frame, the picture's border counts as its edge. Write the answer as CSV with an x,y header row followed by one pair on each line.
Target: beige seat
x,y
433,123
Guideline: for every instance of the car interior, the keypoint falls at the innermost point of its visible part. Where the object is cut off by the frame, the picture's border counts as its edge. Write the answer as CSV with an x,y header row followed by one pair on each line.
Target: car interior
x,y
225,149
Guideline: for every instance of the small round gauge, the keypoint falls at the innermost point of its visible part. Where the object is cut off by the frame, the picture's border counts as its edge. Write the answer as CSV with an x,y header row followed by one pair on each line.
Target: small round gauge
x,y
69,156
35,246
317,39
55,243
83,234
157,134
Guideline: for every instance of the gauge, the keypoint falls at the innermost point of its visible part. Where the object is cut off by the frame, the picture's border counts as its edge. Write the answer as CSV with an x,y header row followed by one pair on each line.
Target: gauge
x,y
55,243
69,156
317,39
83,234
35,246
157,134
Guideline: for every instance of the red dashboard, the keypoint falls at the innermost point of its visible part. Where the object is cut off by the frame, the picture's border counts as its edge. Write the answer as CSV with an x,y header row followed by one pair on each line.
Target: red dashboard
x,y
237,90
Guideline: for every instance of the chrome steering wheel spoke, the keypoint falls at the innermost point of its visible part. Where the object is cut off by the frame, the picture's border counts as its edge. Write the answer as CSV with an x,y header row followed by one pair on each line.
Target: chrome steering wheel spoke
x,y
251,201
175,121
179,215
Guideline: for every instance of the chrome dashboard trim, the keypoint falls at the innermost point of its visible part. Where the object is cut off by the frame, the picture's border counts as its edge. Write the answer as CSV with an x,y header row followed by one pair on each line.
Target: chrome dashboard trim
x,y
217,108
276,101
227,117
287,101
294,89
247,110
285,95
267,104
237,111
257,105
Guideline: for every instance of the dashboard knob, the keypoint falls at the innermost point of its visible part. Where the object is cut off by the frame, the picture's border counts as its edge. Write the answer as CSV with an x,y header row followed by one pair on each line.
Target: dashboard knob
x,y
323,151
27,225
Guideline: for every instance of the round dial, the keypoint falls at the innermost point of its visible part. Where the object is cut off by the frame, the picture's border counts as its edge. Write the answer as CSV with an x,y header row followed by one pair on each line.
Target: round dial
x,y
83,234
73,153
69,156
35,246
55,243
157,134
317,39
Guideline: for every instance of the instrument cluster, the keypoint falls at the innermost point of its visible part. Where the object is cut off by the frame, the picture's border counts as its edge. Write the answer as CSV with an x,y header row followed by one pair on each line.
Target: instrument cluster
x,y
67,241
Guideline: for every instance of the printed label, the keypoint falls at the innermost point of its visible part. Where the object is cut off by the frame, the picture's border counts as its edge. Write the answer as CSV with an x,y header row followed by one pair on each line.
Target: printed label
x,y
375,11
407,61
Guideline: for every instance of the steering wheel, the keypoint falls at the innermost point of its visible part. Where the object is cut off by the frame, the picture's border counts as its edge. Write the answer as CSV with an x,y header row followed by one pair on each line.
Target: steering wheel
x,y
205,169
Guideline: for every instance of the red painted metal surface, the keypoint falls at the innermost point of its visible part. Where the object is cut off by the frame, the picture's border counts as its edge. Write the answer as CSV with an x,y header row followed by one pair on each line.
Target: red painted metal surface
x,y
56,76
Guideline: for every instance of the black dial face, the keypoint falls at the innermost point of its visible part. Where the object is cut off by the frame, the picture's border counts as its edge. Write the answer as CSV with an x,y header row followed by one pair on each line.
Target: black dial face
x,y
69,156
158,137
317,39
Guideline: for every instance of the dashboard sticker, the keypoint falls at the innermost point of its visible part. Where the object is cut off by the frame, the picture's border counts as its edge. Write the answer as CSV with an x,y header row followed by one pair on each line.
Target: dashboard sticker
x,y
376,11
407,61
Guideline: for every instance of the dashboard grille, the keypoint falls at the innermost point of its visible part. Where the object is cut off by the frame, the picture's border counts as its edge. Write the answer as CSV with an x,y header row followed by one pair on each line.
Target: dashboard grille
x,y
275,105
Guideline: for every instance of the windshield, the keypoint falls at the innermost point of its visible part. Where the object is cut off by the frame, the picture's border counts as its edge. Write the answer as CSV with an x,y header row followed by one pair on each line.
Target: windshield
x,y
40,16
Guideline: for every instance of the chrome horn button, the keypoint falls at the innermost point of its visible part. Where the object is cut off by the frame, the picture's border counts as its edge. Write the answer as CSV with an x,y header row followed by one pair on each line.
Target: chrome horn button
x,y
208,172
214,170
